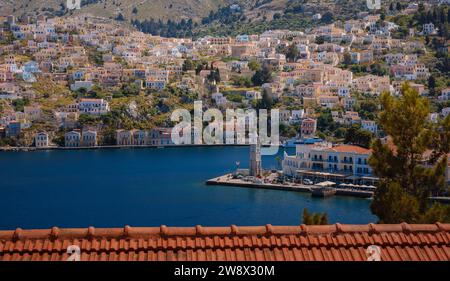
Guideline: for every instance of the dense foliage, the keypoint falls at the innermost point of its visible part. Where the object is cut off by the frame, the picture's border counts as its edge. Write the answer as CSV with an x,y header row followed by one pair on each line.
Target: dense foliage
x,y
411,165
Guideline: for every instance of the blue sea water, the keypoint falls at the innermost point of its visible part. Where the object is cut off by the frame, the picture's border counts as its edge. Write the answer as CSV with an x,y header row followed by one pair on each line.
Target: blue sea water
x,y
149,187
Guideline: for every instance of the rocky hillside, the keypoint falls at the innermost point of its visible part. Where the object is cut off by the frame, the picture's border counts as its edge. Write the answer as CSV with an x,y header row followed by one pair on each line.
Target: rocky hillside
x,y
129,9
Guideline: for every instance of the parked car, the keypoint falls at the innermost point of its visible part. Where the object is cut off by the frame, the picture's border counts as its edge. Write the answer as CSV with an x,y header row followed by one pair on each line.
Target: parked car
x,y
308,182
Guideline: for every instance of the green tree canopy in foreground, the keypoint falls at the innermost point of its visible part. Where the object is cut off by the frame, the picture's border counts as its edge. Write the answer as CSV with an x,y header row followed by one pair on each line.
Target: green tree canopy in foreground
x,y
411,165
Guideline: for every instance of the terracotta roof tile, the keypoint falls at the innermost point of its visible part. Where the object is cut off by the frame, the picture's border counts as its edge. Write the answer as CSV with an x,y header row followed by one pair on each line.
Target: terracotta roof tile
x,y
262,243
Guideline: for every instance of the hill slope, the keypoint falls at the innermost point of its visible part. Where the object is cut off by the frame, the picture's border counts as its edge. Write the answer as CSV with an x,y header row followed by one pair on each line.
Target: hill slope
x,y
130,9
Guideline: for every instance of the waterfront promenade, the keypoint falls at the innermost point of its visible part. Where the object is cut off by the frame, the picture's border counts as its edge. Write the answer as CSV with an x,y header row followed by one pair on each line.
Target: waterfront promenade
x,y
227,180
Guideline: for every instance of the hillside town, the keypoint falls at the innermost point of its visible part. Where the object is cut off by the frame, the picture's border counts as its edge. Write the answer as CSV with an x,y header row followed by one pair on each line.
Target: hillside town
x,y
78,82
116,142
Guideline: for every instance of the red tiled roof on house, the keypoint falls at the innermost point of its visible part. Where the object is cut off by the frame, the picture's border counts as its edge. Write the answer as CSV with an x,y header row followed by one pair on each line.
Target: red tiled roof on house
x,y
350,149
398,242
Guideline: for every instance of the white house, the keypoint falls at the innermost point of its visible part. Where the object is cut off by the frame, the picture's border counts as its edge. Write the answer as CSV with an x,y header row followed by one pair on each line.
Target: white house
x,y
253,95
77,85
158,85
219,99
32,113
124,137
445,111
89,138
296,116
428,28
93,106
139,137
72,139
445,95
369,126
344,92
41,140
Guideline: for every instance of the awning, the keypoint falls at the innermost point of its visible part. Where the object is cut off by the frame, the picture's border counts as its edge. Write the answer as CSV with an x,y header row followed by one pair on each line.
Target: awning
x,y
326,183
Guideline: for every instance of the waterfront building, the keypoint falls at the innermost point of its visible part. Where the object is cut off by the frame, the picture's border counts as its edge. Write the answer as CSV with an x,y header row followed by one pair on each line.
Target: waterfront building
x,y
329,162
72,139
160,136
255,159
41,140
124,137
89,138
139,137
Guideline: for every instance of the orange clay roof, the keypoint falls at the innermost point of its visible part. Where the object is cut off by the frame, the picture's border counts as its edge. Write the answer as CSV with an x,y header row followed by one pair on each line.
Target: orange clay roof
x,y
350,149
398,242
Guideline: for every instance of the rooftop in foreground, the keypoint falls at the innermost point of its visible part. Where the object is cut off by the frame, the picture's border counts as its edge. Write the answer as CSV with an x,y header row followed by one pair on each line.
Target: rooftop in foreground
x,y
398,242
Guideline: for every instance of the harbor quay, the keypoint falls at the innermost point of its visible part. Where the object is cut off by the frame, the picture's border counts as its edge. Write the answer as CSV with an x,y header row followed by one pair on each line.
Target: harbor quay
x,y
229,180
256,177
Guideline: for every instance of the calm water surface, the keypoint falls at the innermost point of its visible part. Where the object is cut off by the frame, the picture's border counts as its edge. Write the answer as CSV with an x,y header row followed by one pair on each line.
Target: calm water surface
x,y
149,187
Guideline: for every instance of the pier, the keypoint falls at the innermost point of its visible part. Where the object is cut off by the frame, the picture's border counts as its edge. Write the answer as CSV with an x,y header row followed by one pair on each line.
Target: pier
x,y
228,180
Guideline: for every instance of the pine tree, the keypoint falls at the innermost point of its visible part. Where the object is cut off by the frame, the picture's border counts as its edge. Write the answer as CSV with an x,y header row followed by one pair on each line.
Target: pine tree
x,y
292,53
263,75
408,177
347,59
432,85
314,218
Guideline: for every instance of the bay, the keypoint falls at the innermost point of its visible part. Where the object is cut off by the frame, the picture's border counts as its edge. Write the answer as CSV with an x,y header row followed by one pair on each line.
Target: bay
x,y
150,187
